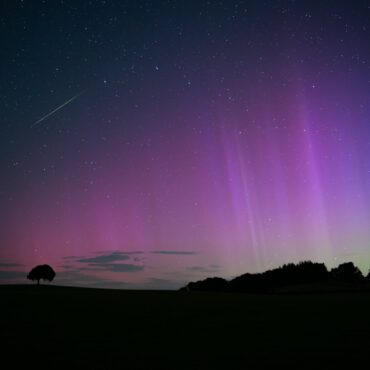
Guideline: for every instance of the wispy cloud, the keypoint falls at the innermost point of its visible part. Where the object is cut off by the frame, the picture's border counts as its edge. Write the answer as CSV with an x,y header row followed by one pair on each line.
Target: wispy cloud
x,y
128,253
181,253
111,269
116,267
79,277
106,258
66,267
10,272
70,258
10,265
110,262
163,284
207,269
18,276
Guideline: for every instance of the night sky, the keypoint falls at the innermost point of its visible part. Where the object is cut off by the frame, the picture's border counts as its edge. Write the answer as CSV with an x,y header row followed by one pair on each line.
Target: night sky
x,y
145,144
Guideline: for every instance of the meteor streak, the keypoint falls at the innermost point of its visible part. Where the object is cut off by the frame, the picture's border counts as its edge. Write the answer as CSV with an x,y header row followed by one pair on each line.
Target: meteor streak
x,y
56,109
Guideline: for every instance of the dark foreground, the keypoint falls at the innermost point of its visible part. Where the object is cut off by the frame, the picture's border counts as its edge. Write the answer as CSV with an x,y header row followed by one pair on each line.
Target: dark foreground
x,y
73,328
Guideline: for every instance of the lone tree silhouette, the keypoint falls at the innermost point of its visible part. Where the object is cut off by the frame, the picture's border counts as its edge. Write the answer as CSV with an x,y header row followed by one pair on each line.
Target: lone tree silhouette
x,y
44,272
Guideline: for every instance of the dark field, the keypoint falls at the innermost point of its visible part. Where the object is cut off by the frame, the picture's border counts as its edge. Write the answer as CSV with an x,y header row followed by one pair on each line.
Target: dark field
x,y
77,328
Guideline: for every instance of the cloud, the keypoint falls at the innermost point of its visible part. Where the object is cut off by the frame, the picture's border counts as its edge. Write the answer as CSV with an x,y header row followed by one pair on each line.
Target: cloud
x,y
105,268
115,251
6,275
72,258
108,262
10,265
109,284
195,268
181,253
79,278
163,284
66,267
105,258
117,267
207,269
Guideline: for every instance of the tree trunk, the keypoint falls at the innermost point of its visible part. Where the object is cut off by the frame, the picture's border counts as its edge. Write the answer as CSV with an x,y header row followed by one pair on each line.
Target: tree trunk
x,y
38,281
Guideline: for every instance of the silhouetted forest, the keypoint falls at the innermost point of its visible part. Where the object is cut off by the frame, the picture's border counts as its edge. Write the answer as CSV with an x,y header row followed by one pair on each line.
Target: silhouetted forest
x,y
304,276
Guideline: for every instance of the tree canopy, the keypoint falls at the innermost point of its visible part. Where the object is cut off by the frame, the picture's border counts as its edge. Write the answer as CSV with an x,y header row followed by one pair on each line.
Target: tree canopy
x,y
44,272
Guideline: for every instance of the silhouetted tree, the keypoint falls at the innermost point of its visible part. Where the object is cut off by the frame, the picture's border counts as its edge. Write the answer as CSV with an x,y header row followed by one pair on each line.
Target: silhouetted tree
x,y
44,272
347,272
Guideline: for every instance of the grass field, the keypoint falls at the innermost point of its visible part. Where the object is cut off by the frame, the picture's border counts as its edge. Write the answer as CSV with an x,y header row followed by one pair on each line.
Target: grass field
x,y
78,328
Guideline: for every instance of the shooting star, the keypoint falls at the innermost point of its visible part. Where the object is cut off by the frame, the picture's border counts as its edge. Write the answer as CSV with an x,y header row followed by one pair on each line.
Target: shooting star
x,y
56,109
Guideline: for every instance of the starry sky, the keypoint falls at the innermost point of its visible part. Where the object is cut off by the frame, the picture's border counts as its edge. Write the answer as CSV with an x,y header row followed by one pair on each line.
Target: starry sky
x,y
145,144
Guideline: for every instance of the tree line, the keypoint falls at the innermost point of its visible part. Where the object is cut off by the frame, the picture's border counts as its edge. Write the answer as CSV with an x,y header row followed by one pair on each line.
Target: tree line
x,y
305,275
